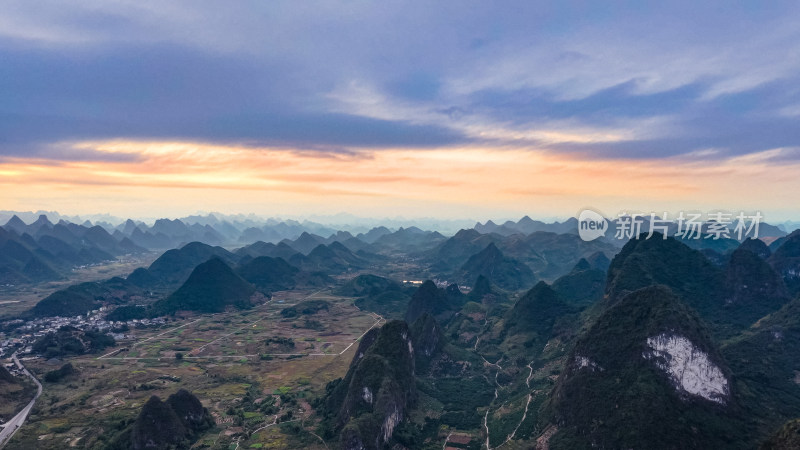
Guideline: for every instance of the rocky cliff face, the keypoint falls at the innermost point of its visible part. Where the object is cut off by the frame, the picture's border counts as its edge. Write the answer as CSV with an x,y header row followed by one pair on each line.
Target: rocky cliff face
x,y
378,390
427,336
689,369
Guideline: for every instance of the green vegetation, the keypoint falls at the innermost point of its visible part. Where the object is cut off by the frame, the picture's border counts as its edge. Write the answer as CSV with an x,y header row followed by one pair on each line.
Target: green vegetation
x,y
81,298
537,312
377,294
127,312
379,386
581,287
54,376
269,274
367,285
645,262
786,262
754,289
306,308
440,303
15,393
580,356
68,341
765,361
505,272
787,438
175,423
174,266
390,304
211,287
639,406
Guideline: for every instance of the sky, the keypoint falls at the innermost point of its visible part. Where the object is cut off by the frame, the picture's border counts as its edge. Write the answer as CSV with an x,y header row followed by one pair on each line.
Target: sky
x,y
451,109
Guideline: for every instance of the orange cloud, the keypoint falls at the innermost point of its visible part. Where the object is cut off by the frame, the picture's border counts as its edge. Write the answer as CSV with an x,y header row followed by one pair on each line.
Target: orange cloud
x,y
176,178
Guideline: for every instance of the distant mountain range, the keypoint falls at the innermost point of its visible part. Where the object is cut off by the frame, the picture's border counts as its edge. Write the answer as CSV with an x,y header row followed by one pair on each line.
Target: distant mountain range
x,y
43,251
526,225
40,250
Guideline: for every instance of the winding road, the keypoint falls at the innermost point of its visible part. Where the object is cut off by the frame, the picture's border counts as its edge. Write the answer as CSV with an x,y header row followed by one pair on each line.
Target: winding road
x,y
16,422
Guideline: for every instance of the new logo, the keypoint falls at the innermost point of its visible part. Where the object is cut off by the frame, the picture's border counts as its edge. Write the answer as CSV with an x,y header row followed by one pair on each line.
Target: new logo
x,y
591,225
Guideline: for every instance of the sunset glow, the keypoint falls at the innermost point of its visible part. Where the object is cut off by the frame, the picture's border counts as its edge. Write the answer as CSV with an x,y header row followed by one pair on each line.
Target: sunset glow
x,y
182,177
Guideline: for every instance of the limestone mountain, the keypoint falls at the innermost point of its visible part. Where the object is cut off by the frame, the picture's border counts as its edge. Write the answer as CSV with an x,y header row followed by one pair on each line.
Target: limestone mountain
x,y
454,252
260,248
534,315
754,289
427,337
173,267
283,250
646,374
756,246
484,292
212,286
269,274
408,240
190,411
20,264
551,255
256,249
81,298
331,258
438,302
526,225
490,262
306,242
765,360
42,251
598,260
583,286
645,262
372,235
367,285
378,294
15,224
175,423
378,391
786,261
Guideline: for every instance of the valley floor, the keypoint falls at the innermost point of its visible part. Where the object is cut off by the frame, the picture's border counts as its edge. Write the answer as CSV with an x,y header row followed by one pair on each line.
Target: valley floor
x,y
255,370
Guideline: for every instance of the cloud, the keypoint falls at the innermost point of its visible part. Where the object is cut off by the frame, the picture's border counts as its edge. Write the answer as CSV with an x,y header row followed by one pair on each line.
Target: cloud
x,y
651,81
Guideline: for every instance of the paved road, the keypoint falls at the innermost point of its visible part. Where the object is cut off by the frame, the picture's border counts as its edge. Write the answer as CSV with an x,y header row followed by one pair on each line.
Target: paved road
x,y
15,423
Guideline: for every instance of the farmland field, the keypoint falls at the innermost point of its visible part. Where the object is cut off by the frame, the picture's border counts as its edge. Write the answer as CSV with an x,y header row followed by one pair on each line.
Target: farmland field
x,y
257,371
